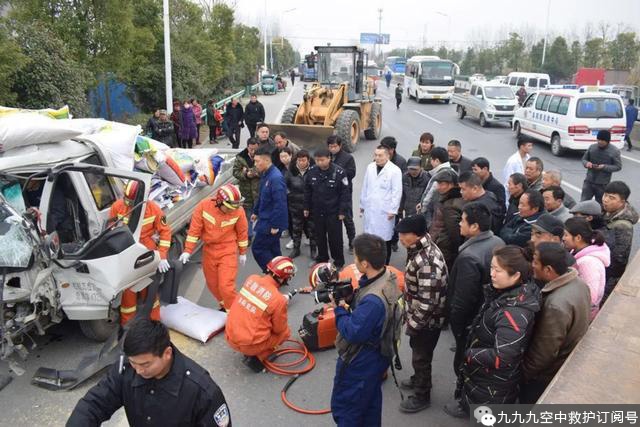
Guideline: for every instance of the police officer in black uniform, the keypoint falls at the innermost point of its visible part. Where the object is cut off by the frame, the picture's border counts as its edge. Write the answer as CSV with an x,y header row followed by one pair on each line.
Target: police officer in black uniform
x,y
346,162
157,385
327,199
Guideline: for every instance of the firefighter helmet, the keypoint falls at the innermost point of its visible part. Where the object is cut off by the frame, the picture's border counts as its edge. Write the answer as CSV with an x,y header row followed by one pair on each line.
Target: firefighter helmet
x,y
131,192
282,267
229,196
323,273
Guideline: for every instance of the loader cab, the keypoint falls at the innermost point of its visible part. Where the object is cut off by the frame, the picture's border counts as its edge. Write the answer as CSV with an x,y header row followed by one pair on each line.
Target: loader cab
x,y
341,65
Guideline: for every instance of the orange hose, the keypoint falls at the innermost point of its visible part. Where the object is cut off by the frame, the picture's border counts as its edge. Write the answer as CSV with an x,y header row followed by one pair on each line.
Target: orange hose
x,y
285,369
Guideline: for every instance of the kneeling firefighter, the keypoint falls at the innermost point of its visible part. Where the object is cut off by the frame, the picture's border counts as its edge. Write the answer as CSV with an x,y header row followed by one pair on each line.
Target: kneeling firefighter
x,y
154,226
257,321
368,331
223,227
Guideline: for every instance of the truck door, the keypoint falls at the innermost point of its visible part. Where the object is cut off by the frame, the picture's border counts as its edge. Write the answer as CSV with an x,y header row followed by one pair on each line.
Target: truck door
x,y
92,273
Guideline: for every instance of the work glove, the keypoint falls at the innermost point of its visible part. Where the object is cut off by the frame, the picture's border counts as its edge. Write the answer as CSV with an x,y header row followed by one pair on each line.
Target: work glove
x,y
184,257
164,266
242,259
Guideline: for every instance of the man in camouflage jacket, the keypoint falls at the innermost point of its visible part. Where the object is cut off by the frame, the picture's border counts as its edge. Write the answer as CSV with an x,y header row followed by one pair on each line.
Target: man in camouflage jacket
x,y
425,300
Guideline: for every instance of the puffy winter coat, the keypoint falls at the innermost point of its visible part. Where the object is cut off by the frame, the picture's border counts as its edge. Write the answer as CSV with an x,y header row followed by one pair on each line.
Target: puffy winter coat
x,y
591,263
497,342
188,128
248,186
295,188
620,230
445,227
412,189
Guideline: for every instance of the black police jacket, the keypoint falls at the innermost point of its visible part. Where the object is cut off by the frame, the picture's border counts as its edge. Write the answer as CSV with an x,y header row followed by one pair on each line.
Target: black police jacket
x,y
346,162
187,396
327,192
254,112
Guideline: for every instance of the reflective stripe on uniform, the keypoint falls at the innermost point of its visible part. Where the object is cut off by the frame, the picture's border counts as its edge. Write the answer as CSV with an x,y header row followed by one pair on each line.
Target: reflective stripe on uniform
x,y
124,218
254,299
230,222
192,239
243,243
127,310
209,217
164,243
149,220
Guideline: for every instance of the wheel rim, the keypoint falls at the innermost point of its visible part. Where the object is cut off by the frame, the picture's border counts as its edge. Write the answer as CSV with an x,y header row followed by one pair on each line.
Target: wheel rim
x,y
555,145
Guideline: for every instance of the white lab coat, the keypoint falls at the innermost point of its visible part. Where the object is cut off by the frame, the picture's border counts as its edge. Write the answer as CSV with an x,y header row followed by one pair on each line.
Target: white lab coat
x,y
380,196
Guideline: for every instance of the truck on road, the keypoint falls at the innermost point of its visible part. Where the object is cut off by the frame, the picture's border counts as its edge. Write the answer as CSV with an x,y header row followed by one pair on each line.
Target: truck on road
x,y
489,102
79,272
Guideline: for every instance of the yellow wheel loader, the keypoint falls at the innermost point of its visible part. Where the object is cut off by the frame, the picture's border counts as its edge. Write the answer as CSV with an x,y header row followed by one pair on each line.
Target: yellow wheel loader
x,y
340,102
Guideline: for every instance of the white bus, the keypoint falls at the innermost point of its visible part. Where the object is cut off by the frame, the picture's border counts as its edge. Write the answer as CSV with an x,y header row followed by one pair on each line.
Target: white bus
x,y
429,77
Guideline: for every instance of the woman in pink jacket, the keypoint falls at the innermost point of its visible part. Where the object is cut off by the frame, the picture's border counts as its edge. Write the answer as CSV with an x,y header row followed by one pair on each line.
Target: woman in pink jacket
x,y
197,112
592,256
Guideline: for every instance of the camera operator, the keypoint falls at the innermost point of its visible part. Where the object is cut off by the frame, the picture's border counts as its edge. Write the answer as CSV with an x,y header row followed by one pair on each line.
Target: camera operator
x,y
357,387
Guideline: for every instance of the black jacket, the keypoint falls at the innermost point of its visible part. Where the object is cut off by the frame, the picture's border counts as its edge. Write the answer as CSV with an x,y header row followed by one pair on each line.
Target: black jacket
x,y
513,207
295,188
497,210
517,230
186,396
163,132
493,185
497,340
412,189
234,115
254,112
470,273
609,157
399,161
462,165
327,192
346,162
445,227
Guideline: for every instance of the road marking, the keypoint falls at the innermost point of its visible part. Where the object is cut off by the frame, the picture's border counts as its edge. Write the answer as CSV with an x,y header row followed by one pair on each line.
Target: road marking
x,y
631,158
572,187
284,106
427,116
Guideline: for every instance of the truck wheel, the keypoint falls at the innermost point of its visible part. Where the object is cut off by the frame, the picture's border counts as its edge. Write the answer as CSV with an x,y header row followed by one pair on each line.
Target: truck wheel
x,y
376,122
446,101
556,145
348,128
517,129
289,115
99,330
483,121
461,112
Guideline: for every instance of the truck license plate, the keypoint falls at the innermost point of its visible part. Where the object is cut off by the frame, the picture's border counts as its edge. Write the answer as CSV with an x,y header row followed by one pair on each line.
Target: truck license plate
x,y
594,132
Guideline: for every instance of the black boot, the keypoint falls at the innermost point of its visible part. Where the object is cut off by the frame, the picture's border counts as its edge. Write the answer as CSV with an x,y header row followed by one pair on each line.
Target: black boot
x,y
313,251
415,403
253,363
456,410
295,252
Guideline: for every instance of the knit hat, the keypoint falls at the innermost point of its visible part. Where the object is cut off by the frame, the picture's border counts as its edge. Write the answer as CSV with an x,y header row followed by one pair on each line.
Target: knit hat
x,y
416,224
604,135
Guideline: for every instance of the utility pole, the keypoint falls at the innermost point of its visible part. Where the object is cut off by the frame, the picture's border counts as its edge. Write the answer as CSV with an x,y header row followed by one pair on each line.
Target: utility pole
x,y
546,33
167,58
379,32
264,31
271,49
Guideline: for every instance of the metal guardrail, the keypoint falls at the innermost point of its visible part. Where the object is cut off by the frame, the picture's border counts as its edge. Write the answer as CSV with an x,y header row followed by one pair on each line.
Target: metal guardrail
x,y
224,101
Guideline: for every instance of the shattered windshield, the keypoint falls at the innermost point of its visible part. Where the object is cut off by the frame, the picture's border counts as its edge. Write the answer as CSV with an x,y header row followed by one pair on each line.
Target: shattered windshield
x,y
15,245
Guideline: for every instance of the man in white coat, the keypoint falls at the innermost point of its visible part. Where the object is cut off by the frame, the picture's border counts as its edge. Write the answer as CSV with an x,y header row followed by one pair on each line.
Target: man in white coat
x,y
516,163
380,197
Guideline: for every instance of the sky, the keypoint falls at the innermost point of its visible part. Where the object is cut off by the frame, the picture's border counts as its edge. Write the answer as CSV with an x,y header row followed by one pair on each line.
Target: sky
x,y
415,23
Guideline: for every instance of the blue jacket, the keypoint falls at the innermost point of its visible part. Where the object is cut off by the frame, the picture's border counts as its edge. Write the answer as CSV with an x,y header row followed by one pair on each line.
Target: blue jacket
x,y
363,325
632,116
271,206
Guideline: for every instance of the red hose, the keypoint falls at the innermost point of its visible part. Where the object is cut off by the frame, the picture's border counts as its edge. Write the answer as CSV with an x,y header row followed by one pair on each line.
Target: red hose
x,y
307,363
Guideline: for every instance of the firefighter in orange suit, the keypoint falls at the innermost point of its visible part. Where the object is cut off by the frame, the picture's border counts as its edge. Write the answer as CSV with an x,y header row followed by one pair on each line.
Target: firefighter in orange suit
x,y
351,272
154,224
257,322
223,229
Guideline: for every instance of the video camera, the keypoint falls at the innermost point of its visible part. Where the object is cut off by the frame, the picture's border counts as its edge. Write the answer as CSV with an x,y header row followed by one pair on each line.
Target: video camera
x,y
341,290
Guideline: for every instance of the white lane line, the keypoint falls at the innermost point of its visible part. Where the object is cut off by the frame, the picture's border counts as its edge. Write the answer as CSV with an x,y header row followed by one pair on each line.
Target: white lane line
x,y
427,116
631,158
572,187
284,106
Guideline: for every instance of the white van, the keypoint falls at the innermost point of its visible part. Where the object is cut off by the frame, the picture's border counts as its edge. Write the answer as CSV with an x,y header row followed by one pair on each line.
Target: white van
x,y
532,82
568,119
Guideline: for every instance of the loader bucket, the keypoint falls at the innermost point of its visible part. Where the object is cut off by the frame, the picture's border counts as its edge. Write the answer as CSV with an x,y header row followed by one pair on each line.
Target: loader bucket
x,y
309,137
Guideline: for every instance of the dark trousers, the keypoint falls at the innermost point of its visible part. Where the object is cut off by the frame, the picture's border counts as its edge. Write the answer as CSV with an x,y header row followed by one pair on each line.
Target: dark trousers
x,y
265,247
252,129
389,244
234,136
300,224
212,133
198,133
627,139
186,143
422,346
350,227
458,358
398,102
590,190
531,391
329,227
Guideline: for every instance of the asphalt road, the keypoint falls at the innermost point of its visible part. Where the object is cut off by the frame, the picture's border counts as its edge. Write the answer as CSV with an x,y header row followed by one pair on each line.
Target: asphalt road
x,y
255,398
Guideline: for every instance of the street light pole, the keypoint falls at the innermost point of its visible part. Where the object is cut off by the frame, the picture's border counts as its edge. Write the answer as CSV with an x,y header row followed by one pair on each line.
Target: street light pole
x,y
546,33
379,32
264,31
167,58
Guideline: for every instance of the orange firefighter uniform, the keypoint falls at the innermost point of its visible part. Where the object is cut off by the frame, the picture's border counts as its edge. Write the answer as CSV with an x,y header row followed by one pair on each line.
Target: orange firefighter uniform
x,y
154,223
224,236
257,321
351,272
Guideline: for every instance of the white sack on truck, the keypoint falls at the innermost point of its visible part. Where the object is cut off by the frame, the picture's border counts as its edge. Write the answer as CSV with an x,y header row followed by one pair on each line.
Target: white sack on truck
x,y
19,130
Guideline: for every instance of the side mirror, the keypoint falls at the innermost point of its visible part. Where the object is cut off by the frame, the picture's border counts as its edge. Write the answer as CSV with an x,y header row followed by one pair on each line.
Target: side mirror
x,y
479,96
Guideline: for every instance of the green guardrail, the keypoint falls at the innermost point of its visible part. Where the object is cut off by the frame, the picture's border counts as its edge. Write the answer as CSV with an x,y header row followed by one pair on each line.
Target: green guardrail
x,y
240,94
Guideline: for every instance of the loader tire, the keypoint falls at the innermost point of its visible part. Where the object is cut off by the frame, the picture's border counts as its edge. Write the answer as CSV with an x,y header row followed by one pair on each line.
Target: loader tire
x,y
376,123
289,115
98,330
348,129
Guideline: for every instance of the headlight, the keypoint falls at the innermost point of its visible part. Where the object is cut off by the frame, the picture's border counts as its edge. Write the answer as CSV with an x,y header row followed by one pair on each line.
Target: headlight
x,y
491,107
